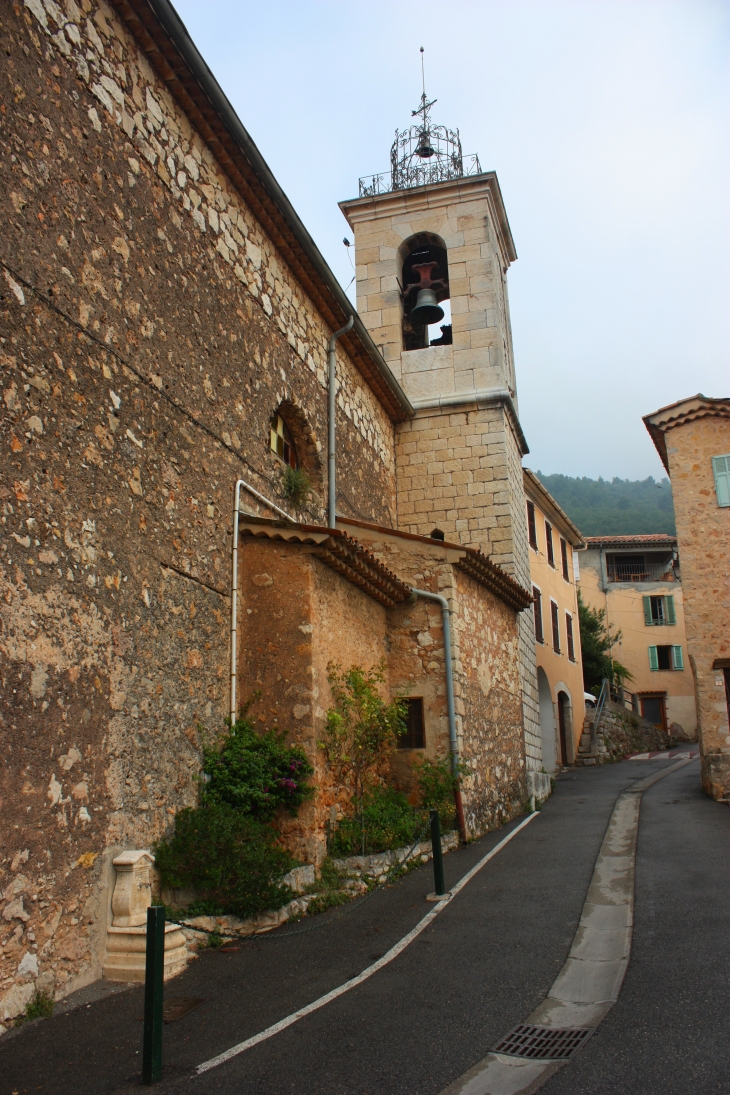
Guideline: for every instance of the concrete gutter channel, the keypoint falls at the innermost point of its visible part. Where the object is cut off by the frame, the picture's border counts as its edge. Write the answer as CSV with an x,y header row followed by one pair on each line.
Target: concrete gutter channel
x,y
589,983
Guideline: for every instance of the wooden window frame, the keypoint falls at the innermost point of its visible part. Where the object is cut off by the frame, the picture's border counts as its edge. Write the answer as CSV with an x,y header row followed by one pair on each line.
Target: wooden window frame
x,y
549,546
721,475
537,615
564,558
569,640
281,442
555,625
531,525
415,736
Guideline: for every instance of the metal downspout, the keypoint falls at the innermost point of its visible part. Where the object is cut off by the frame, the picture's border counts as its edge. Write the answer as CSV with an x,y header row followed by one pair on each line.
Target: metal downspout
x,y
331,486
234,578
449,672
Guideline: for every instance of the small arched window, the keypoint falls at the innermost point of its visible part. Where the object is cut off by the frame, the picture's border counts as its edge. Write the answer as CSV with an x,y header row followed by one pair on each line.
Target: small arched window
x,y
281,442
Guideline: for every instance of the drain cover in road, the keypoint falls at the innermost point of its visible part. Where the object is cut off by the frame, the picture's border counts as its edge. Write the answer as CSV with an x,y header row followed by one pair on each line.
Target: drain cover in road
x,y
543,1043
176,1007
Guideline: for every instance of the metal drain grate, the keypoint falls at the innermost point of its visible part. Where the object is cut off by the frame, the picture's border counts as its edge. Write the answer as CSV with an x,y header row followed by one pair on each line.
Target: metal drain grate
x,y
543,1043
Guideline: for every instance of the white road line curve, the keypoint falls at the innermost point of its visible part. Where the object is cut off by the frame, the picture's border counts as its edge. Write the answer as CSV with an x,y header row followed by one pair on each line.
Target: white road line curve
x,y
394,951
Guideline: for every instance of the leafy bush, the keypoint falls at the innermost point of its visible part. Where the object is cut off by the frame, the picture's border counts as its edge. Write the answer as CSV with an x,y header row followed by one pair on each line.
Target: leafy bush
x,y
362,729
255,772
296,485
386,820
437,784
231,859
40,1006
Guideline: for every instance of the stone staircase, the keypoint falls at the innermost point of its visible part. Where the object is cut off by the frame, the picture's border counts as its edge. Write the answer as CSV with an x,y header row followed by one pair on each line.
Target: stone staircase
x,y
620,732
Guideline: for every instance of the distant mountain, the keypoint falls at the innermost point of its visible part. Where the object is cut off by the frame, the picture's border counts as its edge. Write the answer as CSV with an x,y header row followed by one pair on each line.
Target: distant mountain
x,y
616,507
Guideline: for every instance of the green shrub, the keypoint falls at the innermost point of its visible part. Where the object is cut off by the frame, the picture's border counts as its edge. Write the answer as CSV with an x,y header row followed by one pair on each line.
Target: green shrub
x,y
231,859
255,772
40,1006
437,784
387,820
296,485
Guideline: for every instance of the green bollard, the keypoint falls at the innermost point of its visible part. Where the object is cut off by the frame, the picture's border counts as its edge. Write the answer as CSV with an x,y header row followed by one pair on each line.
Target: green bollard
x,y
438,859
153,989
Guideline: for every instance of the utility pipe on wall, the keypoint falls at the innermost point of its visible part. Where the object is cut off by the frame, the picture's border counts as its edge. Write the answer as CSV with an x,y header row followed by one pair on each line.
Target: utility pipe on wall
x,y
331,499
234,578
449,671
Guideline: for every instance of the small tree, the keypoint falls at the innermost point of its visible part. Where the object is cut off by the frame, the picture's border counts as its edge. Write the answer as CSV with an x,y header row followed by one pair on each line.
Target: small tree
x,y
362,729
596,642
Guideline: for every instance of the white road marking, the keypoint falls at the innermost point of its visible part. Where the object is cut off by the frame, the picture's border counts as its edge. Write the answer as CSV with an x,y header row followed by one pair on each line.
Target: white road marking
x,y
394,951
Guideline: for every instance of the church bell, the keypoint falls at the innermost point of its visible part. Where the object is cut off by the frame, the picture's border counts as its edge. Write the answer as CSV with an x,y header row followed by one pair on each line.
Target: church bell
x,y
426,310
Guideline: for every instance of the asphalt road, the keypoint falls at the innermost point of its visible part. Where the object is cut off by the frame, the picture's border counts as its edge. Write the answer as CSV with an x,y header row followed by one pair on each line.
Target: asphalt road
x,y
482,966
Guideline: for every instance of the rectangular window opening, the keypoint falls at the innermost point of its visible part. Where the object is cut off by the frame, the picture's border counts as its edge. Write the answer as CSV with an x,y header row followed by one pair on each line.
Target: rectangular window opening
x,y
549,543
531,525
569,636
564,558
415,736
721,472
555,620
659,611
537,610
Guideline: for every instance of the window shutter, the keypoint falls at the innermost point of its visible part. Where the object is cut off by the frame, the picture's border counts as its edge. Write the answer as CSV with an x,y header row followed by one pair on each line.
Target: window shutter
x,y
671,614
531,526
653,658
721,471
647,612
555,621
549,543
564,558
537,609
569,636
677,659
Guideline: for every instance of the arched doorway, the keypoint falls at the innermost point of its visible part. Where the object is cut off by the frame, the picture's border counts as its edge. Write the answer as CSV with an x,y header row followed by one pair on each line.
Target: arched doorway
x,y
547,721
564,722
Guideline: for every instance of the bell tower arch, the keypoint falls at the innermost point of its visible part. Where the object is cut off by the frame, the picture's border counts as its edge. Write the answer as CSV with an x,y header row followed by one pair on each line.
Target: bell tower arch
x,y
434,228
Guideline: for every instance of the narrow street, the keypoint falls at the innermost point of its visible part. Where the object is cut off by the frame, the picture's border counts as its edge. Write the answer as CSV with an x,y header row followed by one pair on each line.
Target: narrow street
x,y
481,966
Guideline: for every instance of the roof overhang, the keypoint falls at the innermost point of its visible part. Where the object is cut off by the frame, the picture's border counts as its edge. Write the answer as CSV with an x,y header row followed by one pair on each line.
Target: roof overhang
x,y
677,414
647,541
164,39
558,517
474,563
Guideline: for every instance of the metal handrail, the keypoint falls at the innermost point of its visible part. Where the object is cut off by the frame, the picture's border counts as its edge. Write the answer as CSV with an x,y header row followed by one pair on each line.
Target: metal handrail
x,y
602,697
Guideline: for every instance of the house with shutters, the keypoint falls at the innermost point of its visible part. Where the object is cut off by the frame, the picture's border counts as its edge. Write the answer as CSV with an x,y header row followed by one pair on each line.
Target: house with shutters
x,y
636,581
554,541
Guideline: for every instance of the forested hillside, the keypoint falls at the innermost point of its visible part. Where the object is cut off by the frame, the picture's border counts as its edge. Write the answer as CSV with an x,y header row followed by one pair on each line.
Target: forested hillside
x,y
615,507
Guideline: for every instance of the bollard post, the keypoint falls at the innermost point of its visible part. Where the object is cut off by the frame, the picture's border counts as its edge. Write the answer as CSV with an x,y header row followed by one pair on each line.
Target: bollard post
x,y
153,989
438,859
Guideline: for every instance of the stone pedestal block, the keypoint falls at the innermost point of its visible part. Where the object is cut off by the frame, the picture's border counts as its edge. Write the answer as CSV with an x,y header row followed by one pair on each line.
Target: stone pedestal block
x,y
126,940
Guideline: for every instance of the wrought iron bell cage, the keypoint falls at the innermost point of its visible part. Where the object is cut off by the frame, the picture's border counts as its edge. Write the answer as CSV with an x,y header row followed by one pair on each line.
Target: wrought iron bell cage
x,y
421,155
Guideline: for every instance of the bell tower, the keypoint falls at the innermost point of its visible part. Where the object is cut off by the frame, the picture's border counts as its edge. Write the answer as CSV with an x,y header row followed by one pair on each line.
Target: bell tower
x,y
432,236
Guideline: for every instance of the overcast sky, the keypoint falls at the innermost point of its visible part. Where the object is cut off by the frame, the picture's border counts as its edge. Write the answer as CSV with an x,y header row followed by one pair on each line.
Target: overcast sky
x,y
608,125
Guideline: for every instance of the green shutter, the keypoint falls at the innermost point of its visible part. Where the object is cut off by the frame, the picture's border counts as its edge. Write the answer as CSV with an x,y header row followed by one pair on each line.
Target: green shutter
x,y
671,614
653,658
647,612
721,471
677,659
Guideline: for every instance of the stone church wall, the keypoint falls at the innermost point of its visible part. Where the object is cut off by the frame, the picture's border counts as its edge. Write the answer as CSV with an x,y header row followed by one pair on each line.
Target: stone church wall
x,y
149,331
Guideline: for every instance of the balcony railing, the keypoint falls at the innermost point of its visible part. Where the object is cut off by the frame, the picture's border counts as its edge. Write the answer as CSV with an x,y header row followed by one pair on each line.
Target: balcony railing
x,y
642,572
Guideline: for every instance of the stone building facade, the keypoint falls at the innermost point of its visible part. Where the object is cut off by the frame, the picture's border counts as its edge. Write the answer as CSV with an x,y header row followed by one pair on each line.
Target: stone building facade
x,y
160,301
692,438
460,456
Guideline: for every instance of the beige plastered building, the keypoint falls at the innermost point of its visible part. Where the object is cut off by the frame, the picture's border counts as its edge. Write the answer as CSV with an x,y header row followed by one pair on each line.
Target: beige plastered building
x,y
692,438
553,540
637,582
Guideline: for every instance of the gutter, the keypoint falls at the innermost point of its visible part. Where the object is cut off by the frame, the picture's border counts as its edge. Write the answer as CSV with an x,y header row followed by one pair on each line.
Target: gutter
x,y
175,29
449,672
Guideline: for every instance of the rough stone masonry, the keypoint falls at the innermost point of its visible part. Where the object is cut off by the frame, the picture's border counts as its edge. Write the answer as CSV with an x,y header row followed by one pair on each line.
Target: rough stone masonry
x,y
152,320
